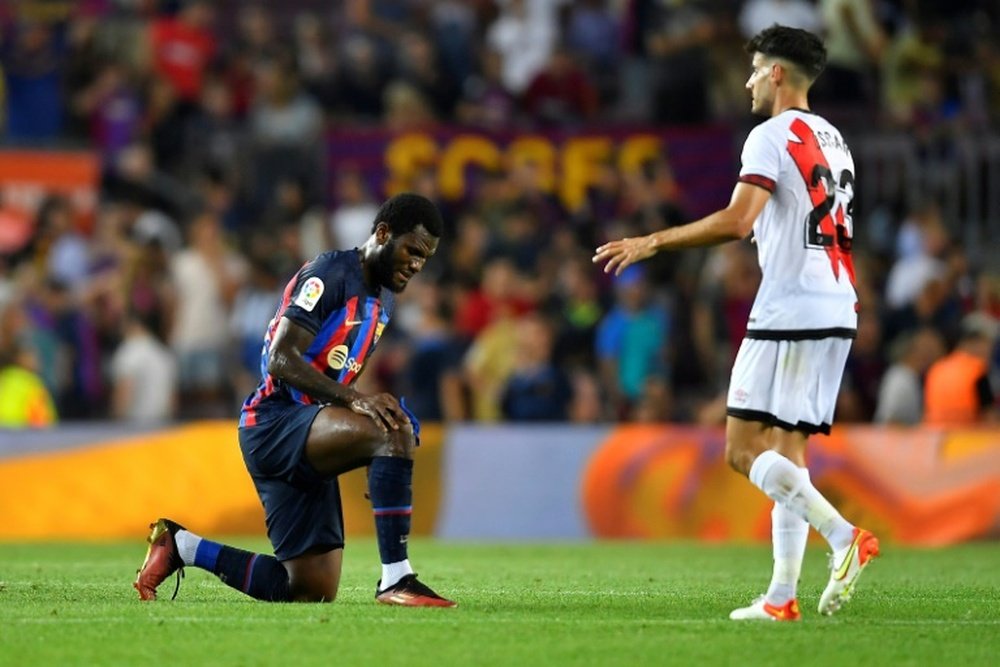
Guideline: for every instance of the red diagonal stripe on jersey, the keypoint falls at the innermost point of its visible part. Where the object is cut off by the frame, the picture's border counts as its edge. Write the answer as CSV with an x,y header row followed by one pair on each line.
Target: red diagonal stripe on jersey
x,y
807,155
348,313
365,344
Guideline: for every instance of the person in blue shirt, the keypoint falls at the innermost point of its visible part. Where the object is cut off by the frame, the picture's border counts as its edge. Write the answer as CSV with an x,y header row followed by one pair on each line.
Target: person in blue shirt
x,y
305,424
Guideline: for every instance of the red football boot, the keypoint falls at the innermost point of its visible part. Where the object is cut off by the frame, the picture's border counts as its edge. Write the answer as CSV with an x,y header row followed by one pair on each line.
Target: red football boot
x,y
162,560
408,592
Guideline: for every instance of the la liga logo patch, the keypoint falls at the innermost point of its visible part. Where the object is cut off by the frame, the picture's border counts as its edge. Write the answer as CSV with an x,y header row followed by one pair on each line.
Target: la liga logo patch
x,y
310,294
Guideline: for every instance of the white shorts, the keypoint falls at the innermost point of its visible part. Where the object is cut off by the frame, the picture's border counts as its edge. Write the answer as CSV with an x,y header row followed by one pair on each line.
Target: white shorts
x,y
791,384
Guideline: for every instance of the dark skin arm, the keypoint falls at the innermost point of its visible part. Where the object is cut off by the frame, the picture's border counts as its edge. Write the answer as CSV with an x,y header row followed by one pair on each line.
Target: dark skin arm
x,y
287,363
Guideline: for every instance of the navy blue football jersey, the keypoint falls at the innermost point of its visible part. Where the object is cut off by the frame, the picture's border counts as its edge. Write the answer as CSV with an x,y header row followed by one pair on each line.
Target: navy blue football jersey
x,y
328,297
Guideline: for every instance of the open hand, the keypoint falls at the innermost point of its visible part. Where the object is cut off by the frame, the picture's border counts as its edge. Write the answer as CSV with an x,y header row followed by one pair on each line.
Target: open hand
x,y
623,253
383,408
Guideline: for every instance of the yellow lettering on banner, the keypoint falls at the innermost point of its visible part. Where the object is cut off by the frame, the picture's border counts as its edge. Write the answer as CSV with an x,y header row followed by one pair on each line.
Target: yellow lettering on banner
x,y
569,170
540,153
464,150
583,161
638,150
405,156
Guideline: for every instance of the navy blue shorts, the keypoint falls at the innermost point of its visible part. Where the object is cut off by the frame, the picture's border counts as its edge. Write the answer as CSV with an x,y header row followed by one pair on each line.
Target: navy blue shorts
x,y
301,508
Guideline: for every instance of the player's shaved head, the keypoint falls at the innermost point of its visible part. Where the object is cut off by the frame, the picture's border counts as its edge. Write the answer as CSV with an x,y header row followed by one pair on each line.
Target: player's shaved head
x,y
800,48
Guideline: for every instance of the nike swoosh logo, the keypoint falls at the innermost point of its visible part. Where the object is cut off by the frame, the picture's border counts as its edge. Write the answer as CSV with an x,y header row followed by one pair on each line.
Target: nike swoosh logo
x,y
351,323
846,565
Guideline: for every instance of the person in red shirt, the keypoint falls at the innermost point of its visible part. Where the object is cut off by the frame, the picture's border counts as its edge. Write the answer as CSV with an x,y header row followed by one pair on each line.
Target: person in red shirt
x,y
561,93
183,46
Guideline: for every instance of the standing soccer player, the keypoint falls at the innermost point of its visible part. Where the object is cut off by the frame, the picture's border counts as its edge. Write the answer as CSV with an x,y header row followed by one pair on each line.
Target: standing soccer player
x,y
795,191
305,425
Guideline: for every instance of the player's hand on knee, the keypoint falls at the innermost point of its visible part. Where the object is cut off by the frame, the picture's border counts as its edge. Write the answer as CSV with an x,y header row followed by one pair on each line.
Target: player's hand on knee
x,y
383,409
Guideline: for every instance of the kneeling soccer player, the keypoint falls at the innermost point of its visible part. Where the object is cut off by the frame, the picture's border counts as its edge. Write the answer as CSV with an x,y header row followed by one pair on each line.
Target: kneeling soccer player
x,y
305,425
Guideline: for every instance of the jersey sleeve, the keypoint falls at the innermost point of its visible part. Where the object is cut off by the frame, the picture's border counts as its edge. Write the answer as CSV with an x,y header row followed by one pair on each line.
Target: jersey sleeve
x,y
761,158
318,292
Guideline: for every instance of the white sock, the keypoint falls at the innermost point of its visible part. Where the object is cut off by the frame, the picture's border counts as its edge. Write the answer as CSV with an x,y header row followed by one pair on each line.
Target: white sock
x,y
187,545
789,533
393,572
786,483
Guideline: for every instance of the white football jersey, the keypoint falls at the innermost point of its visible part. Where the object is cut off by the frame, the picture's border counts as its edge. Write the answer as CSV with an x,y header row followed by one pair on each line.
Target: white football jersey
x,y
804,233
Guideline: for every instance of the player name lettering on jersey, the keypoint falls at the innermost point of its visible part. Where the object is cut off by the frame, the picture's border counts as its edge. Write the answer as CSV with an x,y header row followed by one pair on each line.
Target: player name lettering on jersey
x,y
832,140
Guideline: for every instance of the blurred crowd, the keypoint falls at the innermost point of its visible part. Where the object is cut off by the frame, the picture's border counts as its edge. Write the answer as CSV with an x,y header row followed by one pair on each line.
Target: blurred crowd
x,y
209,117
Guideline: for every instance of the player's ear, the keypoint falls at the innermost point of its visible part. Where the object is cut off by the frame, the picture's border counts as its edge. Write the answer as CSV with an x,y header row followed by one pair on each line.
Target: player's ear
x,y
382,233
779,72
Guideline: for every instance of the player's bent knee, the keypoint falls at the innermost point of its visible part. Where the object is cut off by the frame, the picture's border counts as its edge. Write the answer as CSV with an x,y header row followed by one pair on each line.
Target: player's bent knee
x,y
399,444
314,578
313,589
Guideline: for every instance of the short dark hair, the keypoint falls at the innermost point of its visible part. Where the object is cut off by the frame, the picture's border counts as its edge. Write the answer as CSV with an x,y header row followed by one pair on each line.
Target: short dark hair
x,y
407,211
797,46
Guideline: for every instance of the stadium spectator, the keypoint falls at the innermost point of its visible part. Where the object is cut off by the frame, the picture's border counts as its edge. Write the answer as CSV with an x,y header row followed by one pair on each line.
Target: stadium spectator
x,y
863,372
501,295
525,34
26,402
855,43
214,139
593,33
350,222
430,377
33,65
901,391
958,389
206,274
315,59
253,307
65,339
631,342
537,389
561,93
406,107
143,375
282,114
361,82
183,46
679,38
576,303
484,101
56,243
417,64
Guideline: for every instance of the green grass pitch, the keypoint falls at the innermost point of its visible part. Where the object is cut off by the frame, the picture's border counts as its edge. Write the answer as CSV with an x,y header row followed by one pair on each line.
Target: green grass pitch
x,y
553,604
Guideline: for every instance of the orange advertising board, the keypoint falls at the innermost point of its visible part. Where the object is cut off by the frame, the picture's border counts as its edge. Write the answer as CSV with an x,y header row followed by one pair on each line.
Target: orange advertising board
x,y
193,474
916,486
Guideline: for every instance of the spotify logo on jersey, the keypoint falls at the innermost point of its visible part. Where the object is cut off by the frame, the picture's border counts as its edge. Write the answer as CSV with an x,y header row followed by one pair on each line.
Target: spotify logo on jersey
x,y
337,357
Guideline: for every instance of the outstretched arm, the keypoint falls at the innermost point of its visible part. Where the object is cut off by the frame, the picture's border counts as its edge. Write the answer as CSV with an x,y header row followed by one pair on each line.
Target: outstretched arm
x,y
288,364
730,224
